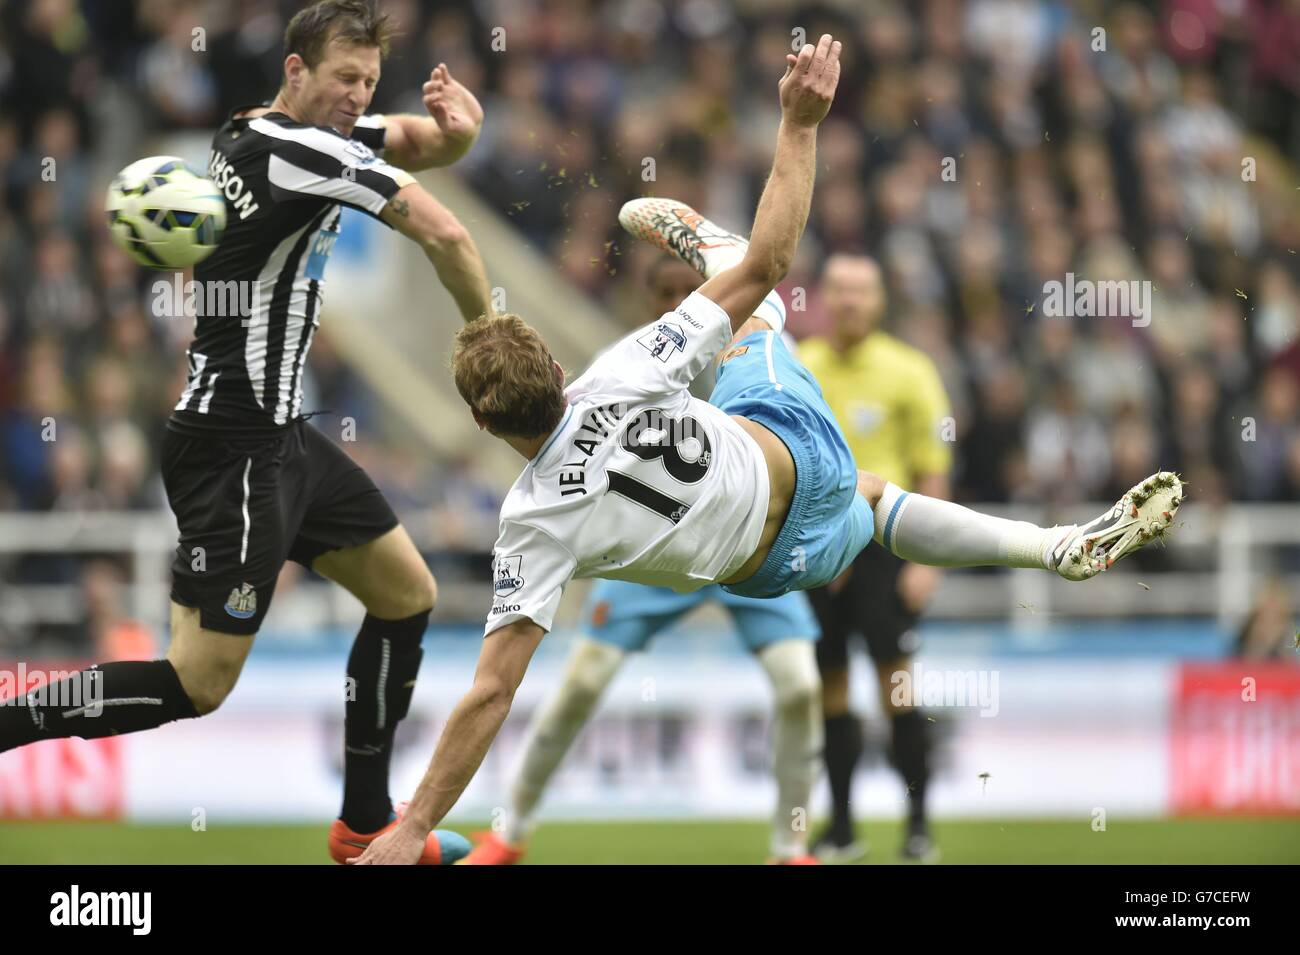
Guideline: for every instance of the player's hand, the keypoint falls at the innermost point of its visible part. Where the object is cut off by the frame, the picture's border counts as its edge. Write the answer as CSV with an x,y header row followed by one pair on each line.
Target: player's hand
x,y
401,845
809,82
916,584
454,108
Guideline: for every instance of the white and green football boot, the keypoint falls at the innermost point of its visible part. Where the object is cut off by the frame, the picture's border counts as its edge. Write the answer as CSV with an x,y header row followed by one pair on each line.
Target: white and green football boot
x,y
1142,515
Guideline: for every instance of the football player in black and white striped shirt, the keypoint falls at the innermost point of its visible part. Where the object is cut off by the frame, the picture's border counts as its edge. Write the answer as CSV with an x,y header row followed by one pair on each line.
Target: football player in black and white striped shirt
x,y
251,483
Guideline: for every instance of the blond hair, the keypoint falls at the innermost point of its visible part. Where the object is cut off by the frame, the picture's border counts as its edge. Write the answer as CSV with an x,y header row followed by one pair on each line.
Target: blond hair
x,y
507,376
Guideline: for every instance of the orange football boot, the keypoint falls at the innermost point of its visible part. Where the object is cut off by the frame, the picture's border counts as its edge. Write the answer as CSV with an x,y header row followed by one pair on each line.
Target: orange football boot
x,y
491,849
806,859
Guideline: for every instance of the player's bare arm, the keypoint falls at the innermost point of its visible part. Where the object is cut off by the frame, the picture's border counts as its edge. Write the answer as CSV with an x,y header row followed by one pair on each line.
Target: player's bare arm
x,y
470,730
439,139
446,243
807,90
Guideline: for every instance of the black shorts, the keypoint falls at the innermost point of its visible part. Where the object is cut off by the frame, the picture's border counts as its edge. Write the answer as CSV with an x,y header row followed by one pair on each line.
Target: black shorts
x,y
245,506
868,605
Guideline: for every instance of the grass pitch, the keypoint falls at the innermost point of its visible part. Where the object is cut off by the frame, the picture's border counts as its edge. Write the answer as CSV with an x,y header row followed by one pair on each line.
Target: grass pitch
x,y
1202,841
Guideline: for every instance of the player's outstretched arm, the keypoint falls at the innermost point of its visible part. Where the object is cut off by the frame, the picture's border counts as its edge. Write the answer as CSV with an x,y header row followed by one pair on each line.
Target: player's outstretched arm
x,y
470,730
447,244
807,90
439,139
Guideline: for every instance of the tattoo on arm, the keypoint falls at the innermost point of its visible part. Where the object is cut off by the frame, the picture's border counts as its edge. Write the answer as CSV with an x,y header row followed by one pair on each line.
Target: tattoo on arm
x,y
401,207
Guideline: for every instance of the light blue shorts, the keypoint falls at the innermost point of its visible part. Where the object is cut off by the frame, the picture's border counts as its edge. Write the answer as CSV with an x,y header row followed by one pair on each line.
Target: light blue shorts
x,y
627,615
829,522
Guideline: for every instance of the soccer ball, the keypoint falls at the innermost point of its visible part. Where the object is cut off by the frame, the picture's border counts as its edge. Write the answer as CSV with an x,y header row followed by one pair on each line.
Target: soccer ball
x,y
163,214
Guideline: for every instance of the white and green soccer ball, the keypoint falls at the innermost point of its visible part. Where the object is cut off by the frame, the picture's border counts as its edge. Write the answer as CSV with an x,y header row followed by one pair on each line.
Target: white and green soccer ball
x,y
163,214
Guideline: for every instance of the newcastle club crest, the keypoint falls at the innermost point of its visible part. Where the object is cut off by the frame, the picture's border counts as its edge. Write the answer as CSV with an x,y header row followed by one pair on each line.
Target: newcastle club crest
x,y
242,602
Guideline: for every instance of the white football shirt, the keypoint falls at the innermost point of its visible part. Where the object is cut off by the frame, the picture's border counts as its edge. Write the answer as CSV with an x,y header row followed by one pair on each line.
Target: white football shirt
x,y
641,481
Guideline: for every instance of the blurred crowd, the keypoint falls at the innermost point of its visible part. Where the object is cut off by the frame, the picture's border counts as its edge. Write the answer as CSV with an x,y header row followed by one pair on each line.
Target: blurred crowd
x,y
978,149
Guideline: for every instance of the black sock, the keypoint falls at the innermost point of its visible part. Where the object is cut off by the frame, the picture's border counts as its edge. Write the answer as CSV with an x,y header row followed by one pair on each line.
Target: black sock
x,y
103,700
843,747
381,671
911,759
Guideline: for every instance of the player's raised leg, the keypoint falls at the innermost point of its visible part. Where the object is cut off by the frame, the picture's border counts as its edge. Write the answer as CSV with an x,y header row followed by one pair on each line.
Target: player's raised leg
x,y
703,245
832,528
207,662
227,559
197,674
943,534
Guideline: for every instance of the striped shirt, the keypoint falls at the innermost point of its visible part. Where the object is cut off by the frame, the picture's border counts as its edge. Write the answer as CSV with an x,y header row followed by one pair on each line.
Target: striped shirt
x,y
285,184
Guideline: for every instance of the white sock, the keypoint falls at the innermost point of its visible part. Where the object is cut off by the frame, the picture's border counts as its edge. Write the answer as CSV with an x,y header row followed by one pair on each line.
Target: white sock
x,y
556,725
943,534
772,311
791,665
720,257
